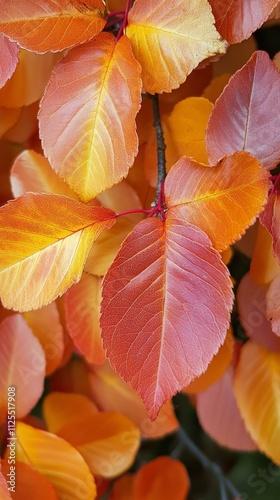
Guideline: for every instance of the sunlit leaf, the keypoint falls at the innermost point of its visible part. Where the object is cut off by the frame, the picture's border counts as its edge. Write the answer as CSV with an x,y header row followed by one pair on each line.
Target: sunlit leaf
x,y
60,408
53,26
82,303
162,478
45,324
216,367
44,242
31,171
247,114
108,442
257,390
224,200
29,482
87,116
169,46
8,59
111,393
264,266
55,458
252,309
161,273
219,415
22,365
238,19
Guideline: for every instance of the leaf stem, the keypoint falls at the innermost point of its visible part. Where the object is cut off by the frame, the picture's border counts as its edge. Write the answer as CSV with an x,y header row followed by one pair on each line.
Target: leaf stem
x,y
161,160
124,23
224,483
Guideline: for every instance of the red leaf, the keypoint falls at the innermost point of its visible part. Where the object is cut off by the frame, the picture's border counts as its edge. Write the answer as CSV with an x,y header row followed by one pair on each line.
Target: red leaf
x,y
247,114
8,60
238,19
165,308
87,116
270,219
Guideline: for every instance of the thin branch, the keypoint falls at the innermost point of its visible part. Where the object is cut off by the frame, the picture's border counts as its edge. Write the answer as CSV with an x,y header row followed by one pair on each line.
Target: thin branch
x,y
224,482
161,161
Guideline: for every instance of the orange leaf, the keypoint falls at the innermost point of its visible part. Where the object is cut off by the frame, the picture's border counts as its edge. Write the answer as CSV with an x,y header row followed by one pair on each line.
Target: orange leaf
x,y
31,171
60,408
219,415
216,368
54,26
223,200
73,377
107,441
82,302
238,19
4,492
264,266
22,365
8,59
273,305
53,457
111,393
87,116
169,46
246,115
8,117
163,478
29,483
123,488
29,79
46,326
256,388
162,272
45,240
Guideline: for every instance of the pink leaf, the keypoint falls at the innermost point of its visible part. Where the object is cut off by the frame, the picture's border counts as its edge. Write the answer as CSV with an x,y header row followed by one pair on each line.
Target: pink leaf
x,y
247,114
8,59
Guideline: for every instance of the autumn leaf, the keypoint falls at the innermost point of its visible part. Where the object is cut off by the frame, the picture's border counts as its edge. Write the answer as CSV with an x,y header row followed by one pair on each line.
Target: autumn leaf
x,y
53,457
44,242
87,115
272,305
169,46
238,19
162,478
256,388
165,308
22,366
82,308
9,59
270,220
4,492
8,118
219,416
108,441
264,266
54,26
60,408
111,393
247,114
29,482
224,200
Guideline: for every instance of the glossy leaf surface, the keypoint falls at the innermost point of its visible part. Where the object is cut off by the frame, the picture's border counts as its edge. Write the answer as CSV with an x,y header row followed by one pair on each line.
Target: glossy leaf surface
x,y
161,273
53,25
224,200
87,116
247,114
45,240
169,46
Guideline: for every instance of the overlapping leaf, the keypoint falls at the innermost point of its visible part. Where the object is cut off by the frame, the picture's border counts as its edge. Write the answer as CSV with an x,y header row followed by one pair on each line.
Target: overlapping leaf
x,y
273,305
169,46
247,114
162,478
5,494
87,116
219,415
270,219
264,265
8,59
29,483
238,19
57,460
44,242
165,308
256,388
52,26
22,365
223,201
